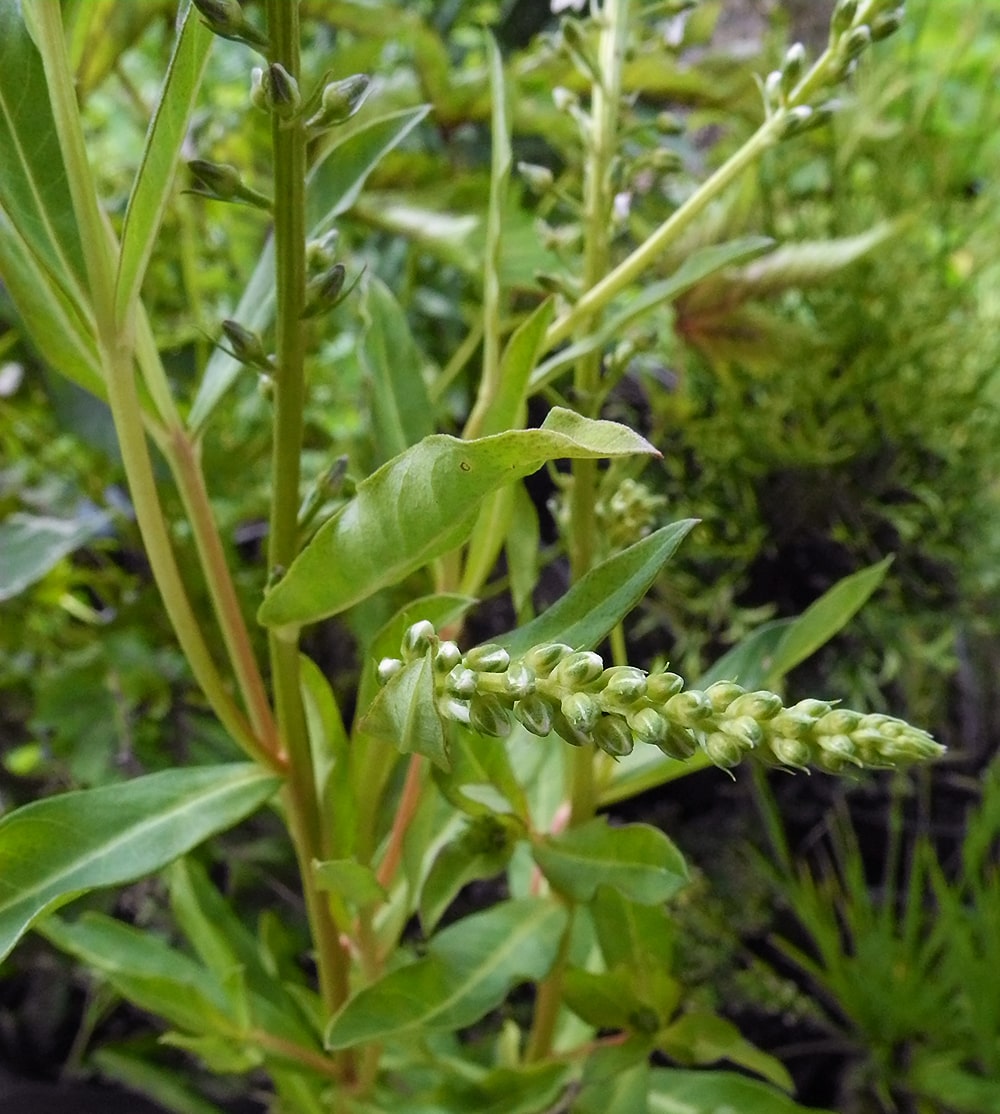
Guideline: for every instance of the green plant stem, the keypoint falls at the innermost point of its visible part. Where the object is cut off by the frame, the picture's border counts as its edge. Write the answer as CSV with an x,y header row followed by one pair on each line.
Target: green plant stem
x,y
597,296
305,822
548,1002
116,348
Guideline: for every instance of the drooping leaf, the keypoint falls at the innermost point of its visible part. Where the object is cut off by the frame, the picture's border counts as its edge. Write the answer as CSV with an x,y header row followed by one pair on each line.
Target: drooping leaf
x,y
33,544
401,408
422,504
404,714
137,1073
63,336
332,189
674,1091
55,849
167,130
603,597
467,971
637,860
705,1038
34,189
824,618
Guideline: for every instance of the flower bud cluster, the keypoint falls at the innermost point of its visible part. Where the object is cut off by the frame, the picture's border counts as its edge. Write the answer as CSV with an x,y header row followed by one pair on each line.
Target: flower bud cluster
x,y
554,688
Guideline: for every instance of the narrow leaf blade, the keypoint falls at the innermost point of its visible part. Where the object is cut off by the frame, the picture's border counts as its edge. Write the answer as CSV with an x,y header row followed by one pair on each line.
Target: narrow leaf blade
x,y
603,597
54,849
33,544
151,190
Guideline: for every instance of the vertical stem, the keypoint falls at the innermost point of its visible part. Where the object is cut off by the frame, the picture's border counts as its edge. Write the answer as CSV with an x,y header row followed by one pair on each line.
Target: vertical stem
x,y
305,822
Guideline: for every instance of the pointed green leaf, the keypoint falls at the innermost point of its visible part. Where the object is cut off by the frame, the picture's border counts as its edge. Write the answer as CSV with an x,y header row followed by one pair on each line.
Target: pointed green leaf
x,y
63,335
171,1087
711,1092
33,544
750,662
351,880
468,970
54,849
705,1038
34,189
696,268
607,1000
603,597
639,937
824,618
167,131
401,408
332,189
520,356
422,504
616,1080
404,714
527,1089
637,860
481,851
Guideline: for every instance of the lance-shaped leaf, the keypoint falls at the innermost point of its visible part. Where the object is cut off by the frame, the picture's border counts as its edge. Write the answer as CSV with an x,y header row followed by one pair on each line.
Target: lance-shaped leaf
x,y
467,971
404,714
167,130
637,860
603,597
33,544
54,849
34,189
422,504
710,1092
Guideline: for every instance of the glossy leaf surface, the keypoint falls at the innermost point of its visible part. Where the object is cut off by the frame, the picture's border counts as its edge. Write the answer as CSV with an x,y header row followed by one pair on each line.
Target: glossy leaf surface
x,y
33,544
637,860
422,504
467,971
717,1092
54,849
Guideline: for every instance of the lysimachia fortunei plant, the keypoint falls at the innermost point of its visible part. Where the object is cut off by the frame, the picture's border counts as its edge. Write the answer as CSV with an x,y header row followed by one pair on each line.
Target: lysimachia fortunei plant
x,y
391,816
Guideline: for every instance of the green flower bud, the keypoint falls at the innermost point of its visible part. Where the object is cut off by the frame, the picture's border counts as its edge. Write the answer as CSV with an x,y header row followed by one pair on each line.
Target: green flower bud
x,y
461,682
543,659
488,716
857,42
624,683
841,746
841,721
324,291
418,638
452,708
321,254
246,345
539,178
281,90
746,731
488,658
798,120
723,750
386,669
888,23
790,752
772,89
689,708
520,681
680,742
580,711
814,709
565,730
613,737
648,726
792,67
222,182
535,713
843,17
661,686
341,100
792,724
722,694
761,705
580,668
226,19
447,656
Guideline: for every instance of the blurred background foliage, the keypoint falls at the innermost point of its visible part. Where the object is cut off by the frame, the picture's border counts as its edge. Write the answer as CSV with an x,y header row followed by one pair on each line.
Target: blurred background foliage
x,y
819,408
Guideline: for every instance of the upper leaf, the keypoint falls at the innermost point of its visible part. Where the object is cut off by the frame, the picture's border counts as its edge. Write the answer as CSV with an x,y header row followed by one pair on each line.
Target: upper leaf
x,y
54,849
421,504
